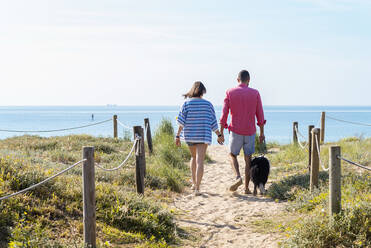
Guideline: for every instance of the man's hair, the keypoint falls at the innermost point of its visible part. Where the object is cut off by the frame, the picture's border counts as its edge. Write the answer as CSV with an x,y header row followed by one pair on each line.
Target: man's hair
x,y
197,90
244,76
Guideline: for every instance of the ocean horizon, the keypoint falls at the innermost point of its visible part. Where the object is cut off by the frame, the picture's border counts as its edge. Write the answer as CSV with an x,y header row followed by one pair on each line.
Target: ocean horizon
x,y
278,128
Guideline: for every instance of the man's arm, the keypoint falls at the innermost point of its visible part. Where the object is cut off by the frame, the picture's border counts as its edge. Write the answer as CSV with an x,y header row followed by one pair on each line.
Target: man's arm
x,y
261,136
224,117
260,118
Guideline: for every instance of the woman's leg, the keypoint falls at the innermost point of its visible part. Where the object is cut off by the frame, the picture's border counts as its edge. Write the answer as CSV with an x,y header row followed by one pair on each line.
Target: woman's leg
x,y
200,157
192,163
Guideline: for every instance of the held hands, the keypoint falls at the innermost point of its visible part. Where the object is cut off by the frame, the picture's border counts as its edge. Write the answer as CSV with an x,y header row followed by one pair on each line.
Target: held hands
x,y
221,139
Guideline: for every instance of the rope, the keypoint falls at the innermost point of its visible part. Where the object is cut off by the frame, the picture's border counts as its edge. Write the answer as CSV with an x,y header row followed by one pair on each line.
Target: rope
x,y
42,182
353,163
299,142
302,146
351,122
297,131
319,154
123,125
126,159
53,130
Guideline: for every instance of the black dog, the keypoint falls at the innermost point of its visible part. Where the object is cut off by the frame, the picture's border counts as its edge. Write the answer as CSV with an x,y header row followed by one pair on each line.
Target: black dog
x,y
259,172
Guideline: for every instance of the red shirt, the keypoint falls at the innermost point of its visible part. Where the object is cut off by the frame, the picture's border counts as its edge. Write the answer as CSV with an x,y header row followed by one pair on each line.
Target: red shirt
x,y
244,104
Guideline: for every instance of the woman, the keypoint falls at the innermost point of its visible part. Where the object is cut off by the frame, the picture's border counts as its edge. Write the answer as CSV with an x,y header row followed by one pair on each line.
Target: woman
x,y
196,121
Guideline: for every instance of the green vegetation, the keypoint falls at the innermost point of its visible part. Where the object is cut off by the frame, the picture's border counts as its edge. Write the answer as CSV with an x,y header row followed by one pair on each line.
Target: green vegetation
x,y
306,222
51,215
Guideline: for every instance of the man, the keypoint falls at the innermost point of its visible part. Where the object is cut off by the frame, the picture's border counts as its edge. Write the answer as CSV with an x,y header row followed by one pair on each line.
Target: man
x,y
245,104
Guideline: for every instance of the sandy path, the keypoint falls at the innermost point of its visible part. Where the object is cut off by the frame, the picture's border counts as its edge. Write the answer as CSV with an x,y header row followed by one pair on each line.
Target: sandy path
x,y
222,218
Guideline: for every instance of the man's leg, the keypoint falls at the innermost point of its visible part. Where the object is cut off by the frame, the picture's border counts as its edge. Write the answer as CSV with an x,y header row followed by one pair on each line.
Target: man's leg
x,y
247,173
249,149
235,145
235,165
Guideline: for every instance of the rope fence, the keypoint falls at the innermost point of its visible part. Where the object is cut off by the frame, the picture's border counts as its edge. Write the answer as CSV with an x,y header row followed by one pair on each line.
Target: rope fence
x,y
350,122
42,182
88,172
54,130
123,125
354,163
125,160
319,154
299,142
305,146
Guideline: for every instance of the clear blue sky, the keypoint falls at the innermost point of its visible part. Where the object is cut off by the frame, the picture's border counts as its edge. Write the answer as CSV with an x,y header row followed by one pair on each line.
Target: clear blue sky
x,y
299,52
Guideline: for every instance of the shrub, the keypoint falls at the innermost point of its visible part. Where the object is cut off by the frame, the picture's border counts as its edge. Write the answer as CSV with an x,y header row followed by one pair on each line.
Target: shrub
x,y
165,127
285,188
133,213
351,228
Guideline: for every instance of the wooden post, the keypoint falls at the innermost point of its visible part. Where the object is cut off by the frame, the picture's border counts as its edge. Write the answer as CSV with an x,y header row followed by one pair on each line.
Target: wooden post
x,y
88,172
323,118
294,134
140,159
310,127
314,160
115,126
149,135
335,180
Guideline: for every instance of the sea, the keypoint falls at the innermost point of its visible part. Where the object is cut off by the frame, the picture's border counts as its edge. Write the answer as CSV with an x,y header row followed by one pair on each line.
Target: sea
x,y
27,119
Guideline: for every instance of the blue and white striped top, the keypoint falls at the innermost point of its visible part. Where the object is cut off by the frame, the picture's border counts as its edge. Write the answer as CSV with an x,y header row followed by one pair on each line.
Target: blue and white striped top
x,y
197,117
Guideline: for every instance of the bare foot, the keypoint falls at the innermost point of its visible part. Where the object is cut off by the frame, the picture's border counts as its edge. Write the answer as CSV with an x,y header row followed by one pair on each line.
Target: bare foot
x,y
247,192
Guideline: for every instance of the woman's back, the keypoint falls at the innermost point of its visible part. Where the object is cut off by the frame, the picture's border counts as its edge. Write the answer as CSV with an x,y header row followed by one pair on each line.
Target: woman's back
x,y
197,116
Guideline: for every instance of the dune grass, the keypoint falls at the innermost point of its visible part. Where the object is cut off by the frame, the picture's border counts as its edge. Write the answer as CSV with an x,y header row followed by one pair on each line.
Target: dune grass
x,y
306,222
51,215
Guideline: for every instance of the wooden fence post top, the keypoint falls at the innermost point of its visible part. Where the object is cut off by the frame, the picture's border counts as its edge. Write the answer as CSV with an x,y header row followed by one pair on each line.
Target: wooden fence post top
x,y
315,130
88,148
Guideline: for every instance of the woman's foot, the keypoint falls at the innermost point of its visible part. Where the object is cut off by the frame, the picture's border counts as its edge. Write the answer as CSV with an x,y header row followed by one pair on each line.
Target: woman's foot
x,y
193,187
197,192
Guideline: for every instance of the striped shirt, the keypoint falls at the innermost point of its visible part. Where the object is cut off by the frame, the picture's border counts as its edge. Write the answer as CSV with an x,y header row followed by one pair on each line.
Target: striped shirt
x,y
197,117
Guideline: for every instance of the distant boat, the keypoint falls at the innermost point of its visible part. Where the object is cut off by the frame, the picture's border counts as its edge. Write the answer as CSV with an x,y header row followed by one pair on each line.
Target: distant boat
x,y
111,105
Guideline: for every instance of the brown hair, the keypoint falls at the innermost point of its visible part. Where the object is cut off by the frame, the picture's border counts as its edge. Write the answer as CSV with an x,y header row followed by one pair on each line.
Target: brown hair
x,y
197,90
244,76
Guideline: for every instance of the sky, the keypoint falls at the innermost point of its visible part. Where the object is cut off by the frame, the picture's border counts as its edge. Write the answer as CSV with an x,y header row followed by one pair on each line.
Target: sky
x,y
90,52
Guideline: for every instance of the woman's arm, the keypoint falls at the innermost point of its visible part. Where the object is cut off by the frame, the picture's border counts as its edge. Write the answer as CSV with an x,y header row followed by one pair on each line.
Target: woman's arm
x,y
177,137
214,127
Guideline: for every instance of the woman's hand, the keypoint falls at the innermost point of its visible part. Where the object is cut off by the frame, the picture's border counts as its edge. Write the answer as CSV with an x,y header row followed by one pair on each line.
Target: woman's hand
x,y
177,141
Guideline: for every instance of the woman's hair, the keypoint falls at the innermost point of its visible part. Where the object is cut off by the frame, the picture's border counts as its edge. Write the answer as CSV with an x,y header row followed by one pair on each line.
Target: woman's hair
x,y
197,90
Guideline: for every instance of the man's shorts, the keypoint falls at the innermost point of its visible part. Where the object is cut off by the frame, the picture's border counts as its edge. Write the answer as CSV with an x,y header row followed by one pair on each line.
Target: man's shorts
x,y
236,142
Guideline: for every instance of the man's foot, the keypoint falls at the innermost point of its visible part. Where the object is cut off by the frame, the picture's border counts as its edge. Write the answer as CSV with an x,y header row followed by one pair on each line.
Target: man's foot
x,y
193,187
247,192
236,184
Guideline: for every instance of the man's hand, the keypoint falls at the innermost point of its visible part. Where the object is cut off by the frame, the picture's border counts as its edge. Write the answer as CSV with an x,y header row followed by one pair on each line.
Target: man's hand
x,y
261,138
221,139
177,142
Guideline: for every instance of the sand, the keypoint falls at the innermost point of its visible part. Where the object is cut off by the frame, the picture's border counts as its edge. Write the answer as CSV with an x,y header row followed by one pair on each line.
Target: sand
x,y
221,218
